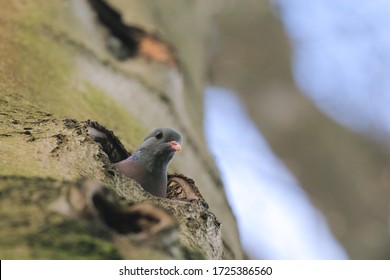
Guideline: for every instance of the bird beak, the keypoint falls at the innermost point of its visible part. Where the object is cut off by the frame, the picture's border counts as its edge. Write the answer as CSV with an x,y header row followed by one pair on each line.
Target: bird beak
x,y
176,146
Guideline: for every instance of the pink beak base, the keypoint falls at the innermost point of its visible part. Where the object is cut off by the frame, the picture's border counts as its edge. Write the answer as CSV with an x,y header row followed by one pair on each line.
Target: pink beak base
x,y
176,146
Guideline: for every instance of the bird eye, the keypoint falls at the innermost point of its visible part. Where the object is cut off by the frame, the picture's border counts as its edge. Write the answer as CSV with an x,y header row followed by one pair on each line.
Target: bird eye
x,y
159,135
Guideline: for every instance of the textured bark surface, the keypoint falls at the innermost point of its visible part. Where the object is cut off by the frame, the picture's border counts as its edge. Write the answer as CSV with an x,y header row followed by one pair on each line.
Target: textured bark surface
x,y
61,66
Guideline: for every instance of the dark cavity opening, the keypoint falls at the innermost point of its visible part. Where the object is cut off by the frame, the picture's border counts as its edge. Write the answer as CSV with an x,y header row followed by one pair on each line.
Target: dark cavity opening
x,y
123,220
125,40
110,144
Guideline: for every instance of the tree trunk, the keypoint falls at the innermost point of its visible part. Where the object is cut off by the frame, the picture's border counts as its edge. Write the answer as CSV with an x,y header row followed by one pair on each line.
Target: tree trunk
x,y
132,66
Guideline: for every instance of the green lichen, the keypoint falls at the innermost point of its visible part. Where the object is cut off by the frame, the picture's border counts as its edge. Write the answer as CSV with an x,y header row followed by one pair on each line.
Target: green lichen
x,y
38,74
70,239
41,68
30,229
98,106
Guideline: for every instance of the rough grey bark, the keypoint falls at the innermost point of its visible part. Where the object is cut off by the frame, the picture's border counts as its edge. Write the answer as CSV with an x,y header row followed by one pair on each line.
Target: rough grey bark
x,y
62,65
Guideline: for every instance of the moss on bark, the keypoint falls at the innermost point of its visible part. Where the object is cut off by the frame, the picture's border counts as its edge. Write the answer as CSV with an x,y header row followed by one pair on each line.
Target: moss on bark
x,y
46,92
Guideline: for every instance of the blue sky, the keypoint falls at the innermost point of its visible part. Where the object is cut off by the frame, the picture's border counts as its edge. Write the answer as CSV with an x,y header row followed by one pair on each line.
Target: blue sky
x,y
341,60
275,217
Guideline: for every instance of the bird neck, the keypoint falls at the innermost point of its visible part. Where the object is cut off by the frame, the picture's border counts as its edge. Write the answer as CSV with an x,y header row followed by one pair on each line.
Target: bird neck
x,y
148,161
136,156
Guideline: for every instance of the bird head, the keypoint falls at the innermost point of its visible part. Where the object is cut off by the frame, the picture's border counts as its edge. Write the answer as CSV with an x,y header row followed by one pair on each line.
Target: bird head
x,y
160,146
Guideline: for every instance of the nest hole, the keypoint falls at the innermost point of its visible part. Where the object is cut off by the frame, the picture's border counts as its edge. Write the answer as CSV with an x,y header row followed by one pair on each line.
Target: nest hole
x,y
126,41
110,144
139,219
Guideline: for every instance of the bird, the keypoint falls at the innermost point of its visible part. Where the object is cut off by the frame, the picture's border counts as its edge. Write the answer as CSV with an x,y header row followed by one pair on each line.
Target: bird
x,y
148,164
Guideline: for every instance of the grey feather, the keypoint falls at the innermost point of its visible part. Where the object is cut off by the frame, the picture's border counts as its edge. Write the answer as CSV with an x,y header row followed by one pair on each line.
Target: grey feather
x,y
148,164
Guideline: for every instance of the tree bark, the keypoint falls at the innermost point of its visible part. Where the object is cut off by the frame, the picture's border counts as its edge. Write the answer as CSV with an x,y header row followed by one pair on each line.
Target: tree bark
x,y
132,66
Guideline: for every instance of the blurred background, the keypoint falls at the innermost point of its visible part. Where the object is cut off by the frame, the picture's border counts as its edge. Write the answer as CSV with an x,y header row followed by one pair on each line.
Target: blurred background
x,y
296,116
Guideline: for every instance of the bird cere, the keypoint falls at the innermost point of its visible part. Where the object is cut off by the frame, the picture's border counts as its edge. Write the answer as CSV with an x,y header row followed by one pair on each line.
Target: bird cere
x,y
148,164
